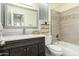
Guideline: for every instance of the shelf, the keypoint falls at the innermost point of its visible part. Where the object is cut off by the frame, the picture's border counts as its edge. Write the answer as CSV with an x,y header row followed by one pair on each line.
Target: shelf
x,y
44,24
44,29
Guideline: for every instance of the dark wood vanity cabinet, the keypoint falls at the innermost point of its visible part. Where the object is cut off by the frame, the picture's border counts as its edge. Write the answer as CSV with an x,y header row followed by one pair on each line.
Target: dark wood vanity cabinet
x,y
18,51
41,49
24,47
32,50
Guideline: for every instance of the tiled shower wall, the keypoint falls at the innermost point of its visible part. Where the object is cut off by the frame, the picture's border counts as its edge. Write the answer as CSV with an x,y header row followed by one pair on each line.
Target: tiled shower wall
x,y
55,21
70,26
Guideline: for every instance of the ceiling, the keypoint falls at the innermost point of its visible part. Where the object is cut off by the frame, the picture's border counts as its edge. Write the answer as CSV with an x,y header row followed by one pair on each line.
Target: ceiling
x,y
62,6
55,6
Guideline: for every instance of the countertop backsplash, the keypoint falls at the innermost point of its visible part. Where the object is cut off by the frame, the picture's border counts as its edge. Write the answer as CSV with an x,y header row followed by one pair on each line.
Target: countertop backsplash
x,y
7,32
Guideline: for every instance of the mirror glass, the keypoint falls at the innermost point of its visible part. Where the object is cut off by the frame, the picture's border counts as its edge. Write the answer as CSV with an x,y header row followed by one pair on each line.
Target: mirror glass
x,y
16,16
17,19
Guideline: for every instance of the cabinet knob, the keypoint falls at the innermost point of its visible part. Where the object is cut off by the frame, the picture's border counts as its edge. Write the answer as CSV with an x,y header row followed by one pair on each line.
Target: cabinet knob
x,y
24,49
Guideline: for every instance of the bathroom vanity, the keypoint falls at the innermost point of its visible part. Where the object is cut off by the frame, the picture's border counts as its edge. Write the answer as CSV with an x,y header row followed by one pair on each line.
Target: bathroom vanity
x,y
23,46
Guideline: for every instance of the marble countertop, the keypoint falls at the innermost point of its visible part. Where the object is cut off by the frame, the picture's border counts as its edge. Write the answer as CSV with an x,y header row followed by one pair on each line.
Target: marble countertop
x,y
19,37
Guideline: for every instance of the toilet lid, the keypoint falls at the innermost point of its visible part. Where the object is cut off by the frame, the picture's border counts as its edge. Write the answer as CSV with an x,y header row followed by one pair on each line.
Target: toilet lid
x,y
54,47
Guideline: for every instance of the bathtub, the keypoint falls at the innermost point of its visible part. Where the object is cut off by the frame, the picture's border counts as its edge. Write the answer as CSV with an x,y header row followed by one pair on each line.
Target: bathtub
x,y
69,49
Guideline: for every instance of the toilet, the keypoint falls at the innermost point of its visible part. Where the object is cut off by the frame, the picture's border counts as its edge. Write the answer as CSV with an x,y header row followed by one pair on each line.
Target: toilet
x,y
54,49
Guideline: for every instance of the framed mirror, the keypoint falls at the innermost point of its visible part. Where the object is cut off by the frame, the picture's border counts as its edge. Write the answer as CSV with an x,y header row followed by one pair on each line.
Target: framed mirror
x,y
16,16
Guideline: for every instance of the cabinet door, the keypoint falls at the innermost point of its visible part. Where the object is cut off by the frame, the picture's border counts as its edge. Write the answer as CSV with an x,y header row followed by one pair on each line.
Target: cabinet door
x,y
41,49
32,50
4,52
19,51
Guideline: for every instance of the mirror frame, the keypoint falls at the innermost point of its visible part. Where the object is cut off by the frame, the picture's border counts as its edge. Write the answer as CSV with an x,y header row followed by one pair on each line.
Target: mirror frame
x,y
4,17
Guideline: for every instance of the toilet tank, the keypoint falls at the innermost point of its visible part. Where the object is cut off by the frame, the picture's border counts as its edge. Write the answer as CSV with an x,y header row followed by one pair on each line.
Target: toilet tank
x,y
48,40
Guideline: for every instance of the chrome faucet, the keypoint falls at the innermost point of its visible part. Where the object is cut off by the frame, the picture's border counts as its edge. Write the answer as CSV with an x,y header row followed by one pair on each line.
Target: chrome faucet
x,y
24,30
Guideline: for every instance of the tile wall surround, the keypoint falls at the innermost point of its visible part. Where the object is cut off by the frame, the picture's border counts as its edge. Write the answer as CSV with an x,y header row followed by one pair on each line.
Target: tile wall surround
x,y
66,24
55,27
70,25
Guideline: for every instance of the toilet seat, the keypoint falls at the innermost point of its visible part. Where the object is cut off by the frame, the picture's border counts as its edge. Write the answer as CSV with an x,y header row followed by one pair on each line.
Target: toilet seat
x,y
55,48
